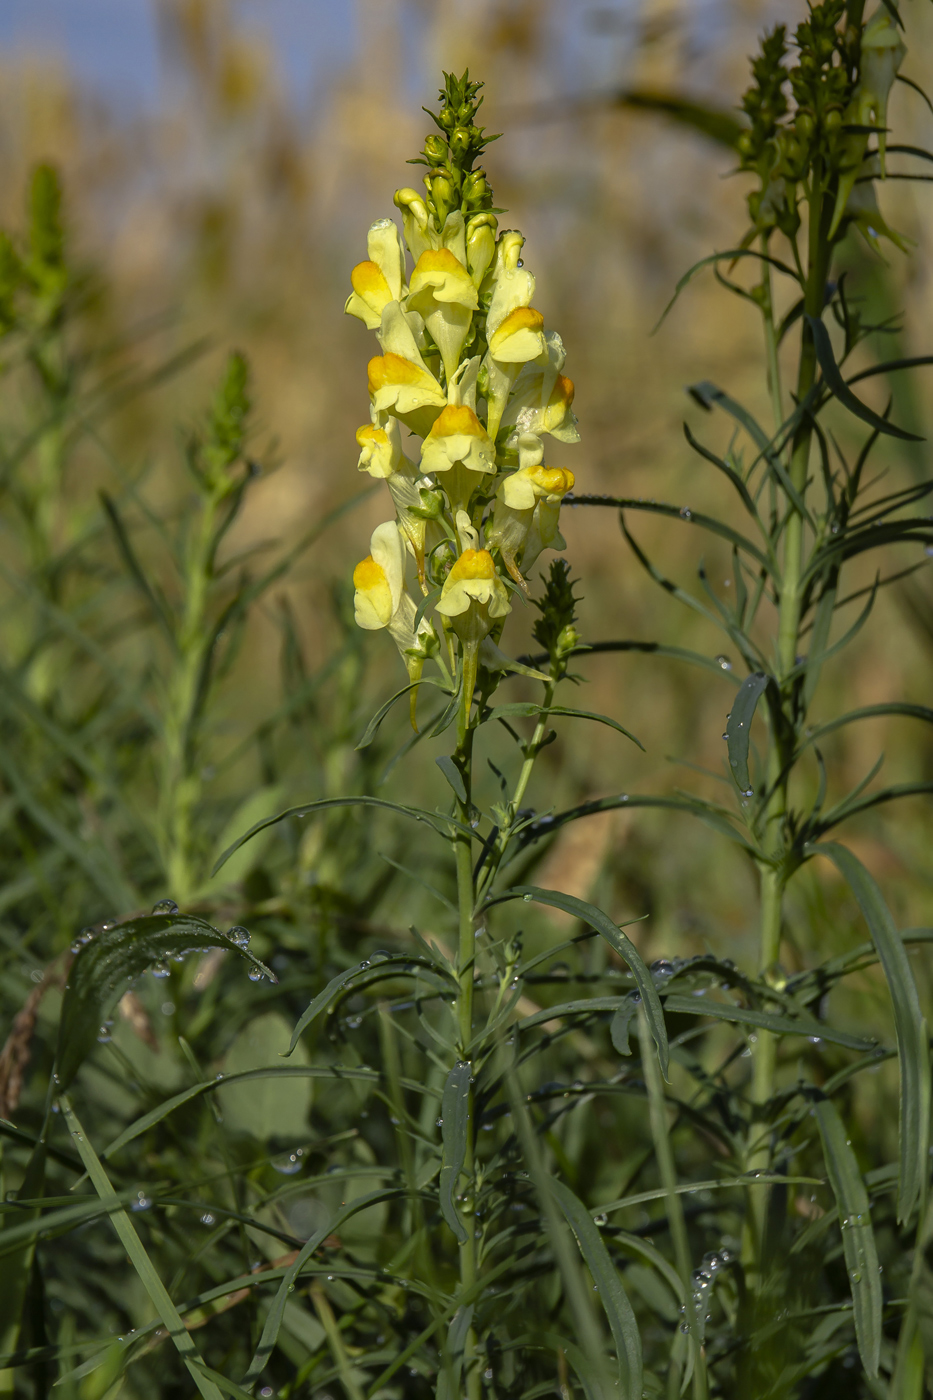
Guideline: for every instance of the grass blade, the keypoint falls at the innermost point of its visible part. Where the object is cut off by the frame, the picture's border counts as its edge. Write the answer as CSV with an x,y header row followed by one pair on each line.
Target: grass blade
x,y
158,1293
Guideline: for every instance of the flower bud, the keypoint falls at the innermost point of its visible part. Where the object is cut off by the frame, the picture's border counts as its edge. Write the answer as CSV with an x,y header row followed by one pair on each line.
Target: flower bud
x,y
440,188
460,142
475,188
435,148
480,245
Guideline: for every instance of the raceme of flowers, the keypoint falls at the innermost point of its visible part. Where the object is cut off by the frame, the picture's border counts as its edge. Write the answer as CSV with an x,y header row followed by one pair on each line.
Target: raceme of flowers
x,y
472,380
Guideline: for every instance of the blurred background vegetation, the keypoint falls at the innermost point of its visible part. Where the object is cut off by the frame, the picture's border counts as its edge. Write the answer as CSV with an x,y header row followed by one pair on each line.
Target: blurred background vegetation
x,y
225,209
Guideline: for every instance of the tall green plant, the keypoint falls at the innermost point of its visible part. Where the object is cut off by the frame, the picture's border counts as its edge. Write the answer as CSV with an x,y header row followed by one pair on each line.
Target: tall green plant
x,y
531,1165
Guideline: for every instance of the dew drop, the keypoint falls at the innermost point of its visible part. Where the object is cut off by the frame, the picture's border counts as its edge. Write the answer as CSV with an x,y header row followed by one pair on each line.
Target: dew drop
x,y
142,1201
600,1219
255,974
288,1164
207,1218
724,663
165,906
686,513
159,970
239,935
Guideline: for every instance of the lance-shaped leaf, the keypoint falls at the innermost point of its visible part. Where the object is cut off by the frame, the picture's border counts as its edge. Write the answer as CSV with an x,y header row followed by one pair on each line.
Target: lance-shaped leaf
x,y
739,726
858,1237
612,1295
617,941
840,389
455,1112
106,966
910,1028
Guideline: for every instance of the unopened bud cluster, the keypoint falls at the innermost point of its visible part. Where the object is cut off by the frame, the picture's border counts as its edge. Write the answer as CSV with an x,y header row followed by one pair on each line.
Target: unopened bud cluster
x,y
840,87
472,377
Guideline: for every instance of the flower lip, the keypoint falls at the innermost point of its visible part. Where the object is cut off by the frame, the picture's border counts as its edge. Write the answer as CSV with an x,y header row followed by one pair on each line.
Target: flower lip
x,y
368,574
367,278
440,275
473,563
552,481
457,419
519,337
390,368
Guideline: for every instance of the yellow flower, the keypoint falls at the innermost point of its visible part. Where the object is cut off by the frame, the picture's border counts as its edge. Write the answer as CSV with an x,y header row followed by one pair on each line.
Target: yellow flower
x,y
474,598
381,449
382,601
542,398
458,444
526,515
380,280
443,293
378,579
399,380
381,455
514,330
519,338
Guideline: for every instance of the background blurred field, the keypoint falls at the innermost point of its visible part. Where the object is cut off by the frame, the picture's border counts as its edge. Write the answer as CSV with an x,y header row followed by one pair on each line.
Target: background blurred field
x,y
227,205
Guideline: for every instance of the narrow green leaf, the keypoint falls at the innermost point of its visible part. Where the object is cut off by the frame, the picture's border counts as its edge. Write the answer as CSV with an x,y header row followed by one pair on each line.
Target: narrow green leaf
x,y
912,1045
322,1000
612,1295
620,1026
453,775
739,727
106,966
194,1091
840,389
455,1112
522,707
137,572
369,733
778,1025
273,1324
441,825
620,944
732,255
858,1237
140,1260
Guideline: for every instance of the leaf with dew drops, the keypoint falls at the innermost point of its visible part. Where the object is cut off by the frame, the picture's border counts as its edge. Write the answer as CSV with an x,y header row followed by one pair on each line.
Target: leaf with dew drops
x,y
109,961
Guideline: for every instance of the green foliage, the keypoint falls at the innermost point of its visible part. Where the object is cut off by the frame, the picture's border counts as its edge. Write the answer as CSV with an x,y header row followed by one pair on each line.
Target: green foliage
x,y
406,1144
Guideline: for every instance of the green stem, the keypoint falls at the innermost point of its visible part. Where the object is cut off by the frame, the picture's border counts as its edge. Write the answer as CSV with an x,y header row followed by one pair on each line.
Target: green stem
x,y
466,957
773,873
181,784
667,1169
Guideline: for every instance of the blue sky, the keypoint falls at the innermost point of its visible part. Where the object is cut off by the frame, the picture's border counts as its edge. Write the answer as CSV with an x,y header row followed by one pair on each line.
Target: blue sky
x,y
113,45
